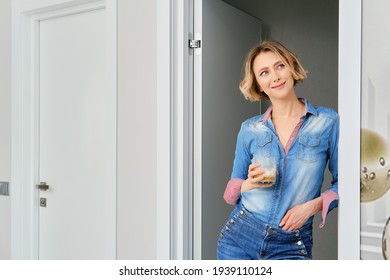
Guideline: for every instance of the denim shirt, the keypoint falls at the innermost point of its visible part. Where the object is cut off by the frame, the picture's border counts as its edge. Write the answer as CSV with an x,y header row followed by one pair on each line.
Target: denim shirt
x,y
300,168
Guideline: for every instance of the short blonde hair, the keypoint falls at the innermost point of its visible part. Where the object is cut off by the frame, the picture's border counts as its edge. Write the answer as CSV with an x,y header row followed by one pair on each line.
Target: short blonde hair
x,y
249,86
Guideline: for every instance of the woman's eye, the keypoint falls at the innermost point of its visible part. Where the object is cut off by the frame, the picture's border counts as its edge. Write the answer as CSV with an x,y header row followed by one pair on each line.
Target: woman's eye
x,y
280,66
263,73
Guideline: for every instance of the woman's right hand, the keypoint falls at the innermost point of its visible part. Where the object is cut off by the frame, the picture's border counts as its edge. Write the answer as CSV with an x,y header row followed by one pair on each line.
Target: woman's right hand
x,y
255,175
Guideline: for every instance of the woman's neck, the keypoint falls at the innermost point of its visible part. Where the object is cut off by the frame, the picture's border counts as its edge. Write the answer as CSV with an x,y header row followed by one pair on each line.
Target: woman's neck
x,y
287,108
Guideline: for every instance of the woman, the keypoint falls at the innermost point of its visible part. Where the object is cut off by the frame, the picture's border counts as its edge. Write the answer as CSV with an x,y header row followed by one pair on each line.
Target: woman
x,y
275,221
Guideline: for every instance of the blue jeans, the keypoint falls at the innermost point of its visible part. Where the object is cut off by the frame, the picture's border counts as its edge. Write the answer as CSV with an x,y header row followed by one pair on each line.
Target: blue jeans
x,y
245,237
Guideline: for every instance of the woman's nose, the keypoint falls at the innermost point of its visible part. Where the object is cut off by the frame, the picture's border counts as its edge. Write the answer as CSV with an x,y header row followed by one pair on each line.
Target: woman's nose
x,y
276,77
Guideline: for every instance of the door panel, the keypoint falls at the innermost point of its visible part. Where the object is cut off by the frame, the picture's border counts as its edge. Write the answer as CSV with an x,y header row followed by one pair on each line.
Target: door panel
x,y
77,139
228,34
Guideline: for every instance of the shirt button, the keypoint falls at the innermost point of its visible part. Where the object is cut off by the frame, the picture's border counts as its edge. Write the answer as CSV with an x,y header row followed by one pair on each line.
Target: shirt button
x,y
232,221
299,242
242,212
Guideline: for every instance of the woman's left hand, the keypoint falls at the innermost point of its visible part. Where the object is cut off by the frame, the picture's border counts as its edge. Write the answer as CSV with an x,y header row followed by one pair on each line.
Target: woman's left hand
x,y
296,217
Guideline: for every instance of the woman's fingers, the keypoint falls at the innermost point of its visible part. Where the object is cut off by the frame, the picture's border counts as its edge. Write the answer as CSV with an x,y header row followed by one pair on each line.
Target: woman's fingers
x,y
255,174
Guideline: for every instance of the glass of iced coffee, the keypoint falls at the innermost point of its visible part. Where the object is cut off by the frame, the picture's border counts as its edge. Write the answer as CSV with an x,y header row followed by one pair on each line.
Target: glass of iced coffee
x,y
268,164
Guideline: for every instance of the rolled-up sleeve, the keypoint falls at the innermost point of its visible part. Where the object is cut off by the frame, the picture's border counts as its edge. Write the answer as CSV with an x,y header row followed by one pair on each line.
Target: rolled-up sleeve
x,y
232,191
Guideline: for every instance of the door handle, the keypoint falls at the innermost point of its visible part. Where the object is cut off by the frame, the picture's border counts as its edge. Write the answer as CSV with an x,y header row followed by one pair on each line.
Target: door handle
x,y
42,186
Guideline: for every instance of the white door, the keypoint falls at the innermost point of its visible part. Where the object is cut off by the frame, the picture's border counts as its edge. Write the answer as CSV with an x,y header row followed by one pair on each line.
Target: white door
x,y
69,142
77,139
227,36
77,153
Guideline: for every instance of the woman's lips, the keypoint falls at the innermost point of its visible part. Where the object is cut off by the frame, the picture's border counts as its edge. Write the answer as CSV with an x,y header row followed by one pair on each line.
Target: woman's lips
x,y
279,86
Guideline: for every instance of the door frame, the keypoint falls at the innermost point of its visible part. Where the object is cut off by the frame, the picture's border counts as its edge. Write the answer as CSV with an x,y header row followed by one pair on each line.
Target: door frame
x,y
174,130
25,87
349,86
350,51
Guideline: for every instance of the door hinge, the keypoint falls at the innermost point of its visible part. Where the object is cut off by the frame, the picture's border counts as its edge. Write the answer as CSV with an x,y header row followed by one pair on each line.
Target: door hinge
x,y
194,44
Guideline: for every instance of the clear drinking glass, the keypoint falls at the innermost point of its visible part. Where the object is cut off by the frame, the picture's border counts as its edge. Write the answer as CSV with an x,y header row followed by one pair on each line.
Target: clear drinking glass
x,y
269,166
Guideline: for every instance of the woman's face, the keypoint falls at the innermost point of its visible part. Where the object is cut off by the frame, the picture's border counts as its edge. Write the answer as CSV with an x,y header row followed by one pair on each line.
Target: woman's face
x,y
273,75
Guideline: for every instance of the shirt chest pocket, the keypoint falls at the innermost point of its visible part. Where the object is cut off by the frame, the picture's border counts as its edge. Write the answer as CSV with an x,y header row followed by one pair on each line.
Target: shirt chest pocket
x,y
308,148
262,145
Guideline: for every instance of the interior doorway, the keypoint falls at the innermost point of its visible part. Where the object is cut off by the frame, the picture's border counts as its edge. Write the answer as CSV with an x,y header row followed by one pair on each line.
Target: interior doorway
x,y
64,130
310,29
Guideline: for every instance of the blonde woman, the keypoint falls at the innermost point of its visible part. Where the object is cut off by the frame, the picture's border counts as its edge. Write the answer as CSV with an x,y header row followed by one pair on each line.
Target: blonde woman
x,y
274,220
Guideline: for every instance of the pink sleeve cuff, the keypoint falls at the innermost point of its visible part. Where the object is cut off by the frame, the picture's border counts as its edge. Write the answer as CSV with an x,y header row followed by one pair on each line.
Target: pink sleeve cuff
x,y
232,191
327,198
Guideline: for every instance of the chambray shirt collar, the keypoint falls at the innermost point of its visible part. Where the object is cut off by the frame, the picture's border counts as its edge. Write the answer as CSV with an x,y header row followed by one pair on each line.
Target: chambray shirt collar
x,y
309,110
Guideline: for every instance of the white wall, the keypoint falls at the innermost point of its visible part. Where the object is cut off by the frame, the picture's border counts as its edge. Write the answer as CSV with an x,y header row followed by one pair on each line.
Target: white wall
x,y
5,126
137,138
137,115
